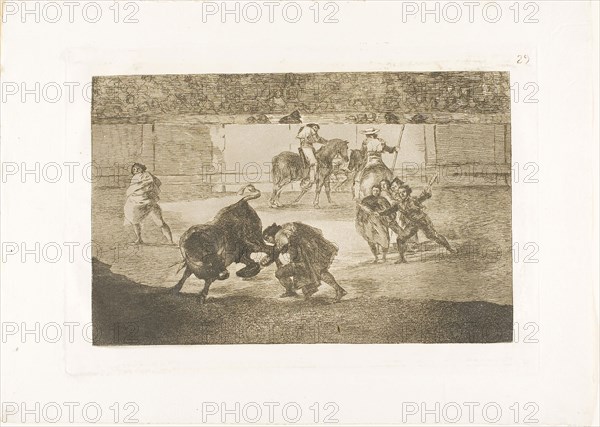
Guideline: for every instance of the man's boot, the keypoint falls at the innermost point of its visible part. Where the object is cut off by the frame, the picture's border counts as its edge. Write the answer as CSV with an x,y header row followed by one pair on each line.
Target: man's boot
x,y
384,255
288,284
309,290
442,241
374,252
401,252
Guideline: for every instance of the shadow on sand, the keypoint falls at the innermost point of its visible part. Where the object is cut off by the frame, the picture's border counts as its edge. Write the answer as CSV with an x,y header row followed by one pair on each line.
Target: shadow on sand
x,y
127,313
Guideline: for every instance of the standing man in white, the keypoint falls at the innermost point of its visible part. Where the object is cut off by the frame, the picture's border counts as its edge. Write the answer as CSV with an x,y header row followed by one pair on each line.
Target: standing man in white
x,y
142,201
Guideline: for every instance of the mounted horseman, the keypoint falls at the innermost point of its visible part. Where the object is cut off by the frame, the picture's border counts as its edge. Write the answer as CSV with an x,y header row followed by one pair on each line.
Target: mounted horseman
x,y
310,166
308,136
374,170
345,172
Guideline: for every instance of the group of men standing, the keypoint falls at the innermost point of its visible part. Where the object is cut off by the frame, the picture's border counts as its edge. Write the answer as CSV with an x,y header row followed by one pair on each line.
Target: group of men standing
x,y
391,207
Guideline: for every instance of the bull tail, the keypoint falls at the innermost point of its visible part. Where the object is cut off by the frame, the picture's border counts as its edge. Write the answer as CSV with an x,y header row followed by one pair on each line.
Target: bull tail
x,y
186,261
182,264
254,195
178,263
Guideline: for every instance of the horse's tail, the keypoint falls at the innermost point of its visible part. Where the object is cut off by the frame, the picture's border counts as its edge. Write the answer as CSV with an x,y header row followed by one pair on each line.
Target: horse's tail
x,y
276,170
254,195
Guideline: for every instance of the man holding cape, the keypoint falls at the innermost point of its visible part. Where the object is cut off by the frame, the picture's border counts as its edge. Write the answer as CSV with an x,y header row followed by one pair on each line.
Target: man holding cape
x,y
311,256
142,201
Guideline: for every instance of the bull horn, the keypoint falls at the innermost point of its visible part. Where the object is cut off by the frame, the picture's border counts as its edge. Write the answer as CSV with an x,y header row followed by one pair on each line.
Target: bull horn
x,y
246,187
254,195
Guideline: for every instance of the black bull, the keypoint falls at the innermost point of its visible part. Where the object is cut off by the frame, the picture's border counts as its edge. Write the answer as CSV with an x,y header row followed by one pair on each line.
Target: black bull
x,y
232,236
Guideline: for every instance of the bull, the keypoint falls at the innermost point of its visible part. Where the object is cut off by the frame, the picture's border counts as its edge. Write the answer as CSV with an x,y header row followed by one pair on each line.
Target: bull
x,y
232,236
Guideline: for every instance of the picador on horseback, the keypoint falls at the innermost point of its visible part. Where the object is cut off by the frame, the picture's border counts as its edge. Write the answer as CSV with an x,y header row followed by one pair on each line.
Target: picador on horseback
x,y
374,170
373,147
310,166
309,135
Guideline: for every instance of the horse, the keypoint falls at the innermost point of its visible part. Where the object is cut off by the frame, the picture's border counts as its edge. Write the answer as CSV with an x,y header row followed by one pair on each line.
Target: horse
x,y
373,175
356,163
288,167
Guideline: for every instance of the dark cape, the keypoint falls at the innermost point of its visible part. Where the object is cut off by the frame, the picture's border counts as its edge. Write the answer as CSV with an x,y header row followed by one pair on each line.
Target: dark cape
x,y
374,228
309,247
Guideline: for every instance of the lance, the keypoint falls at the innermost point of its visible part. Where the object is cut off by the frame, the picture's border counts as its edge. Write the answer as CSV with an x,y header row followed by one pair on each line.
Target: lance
x,y
432,180
398,208
398,148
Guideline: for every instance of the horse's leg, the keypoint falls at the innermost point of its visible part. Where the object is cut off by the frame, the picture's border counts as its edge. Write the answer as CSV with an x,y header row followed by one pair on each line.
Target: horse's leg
x,y
302,193
319,182
280,190
374,251
327,185
317,194
337,185
340,183
276,190
356,184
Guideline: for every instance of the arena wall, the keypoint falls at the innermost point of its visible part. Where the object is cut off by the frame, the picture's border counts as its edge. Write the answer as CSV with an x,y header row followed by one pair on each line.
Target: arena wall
x,y
214,158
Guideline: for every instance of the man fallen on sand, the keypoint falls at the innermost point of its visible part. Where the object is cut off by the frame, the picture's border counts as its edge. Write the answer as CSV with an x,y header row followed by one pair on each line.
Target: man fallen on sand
x,y
142,201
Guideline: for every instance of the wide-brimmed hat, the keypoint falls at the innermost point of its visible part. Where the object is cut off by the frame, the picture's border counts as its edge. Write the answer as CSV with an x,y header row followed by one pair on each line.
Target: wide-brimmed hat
x,y
313,125
370,131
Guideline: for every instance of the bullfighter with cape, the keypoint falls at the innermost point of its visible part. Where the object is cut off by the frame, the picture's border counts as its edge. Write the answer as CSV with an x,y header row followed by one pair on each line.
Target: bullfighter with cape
x,y
374,228
311,256
142,201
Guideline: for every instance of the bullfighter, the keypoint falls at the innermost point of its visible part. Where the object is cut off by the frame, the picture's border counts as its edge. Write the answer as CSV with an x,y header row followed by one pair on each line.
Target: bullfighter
x,y
311,256
374,228
142,201
413,217
373,147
